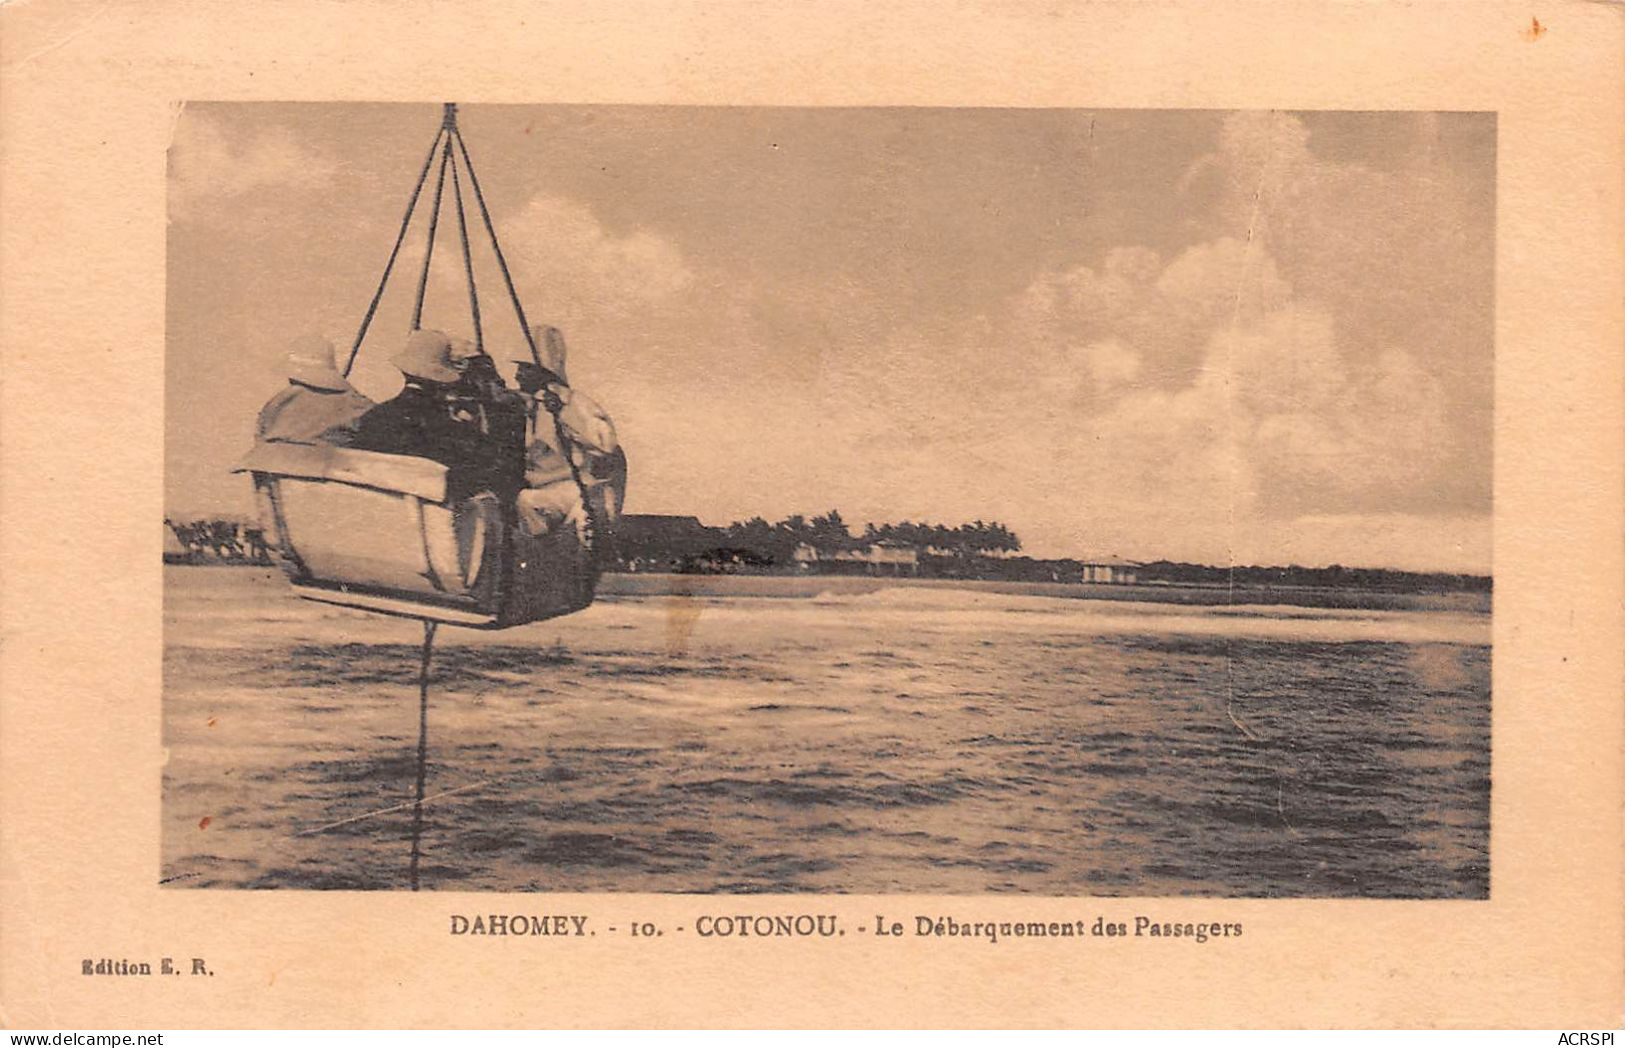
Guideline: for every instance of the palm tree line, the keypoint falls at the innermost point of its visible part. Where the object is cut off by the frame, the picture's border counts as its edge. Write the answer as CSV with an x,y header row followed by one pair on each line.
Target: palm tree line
x,y
829,533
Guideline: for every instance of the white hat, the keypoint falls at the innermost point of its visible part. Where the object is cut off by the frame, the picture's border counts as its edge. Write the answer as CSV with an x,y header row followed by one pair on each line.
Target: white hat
x,y
310,363
427,354
549,342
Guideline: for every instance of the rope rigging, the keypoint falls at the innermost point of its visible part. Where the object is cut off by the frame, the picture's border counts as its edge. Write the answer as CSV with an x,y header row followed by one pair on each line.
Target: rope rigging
x,y
434,227
496,249
394,252
468,258
423,749
455,133
460,163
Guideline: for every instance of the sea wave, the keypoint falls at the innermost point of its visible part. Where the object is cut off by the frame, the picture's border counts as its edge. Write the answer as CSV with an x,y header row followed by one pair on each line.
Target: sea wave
x,y
916,740
1281,621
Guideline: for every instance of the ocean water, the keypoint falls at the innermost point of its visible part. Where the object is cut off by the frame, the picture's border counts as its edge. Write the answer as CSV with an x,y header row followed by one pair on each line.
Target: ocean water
x,y
900,739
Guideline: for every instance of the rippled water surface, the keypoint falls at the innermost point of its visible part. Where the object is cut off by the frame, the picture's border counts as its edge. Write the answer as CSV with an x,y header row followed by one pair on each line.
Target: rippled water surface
x,y
905,739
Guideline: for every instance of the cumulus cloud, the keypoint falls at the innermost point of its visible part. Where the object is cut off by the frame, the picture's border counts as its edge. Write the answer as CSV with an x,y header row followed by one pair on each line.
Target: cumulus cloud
x,y
1136,303
561,246
1404,256
1284,358
212,164
1318,364
605,289
1193,405
1202,401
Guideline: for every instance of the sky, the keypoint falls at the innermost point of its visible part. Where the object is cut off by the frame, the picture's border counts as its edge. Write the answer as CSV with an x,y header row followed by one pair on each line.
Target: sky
x,y
1225,337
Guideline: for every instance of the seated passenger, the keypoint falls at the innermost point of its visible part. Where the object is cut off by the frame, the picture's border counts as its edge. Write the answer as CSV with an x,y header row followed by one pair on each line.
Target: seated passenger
x,y
481,393
477,372
318,406
429,419
551,498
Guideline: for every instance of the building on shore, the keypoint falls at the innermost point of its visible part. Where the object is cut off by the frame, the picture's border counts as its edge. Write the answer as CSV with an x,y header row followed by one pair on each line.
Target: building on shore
x,y
662,541
885,557
1112,570
214,539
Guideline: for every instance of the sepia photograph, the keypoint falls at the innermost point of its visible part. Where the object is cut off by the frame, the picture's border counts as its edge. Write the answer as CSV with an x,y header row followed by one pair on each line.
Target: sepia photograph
x,y
880,500
700,515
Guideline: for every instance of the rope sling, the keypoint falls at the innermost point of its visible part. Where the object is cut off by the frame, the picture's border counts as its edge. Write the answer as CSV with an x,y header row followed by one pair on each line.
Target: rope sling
x,y
459,163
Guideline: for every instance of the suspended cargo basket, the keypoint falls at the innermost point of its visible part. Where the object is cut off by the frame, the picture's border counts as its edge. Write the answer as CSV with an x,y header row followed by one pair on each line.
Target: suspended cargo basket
x,y
390,533
374,531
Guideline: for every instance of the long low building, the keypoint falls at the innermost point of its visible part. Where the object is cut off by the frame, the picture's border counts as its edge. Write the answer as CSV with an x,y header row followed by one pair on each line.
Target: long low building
x,y
656,541
1114,570
881,558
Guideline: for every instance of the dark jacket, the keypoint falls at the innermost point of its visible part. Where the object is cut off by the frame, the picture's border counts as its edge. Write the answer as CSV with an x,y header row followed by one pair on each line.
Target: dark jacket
x,y
502,412
434,421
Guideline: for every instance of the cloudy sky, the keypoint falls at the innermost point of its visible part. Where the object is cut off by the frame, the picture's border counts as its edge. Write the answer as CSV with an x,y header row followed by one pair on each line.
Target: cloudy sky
x,y
1254,337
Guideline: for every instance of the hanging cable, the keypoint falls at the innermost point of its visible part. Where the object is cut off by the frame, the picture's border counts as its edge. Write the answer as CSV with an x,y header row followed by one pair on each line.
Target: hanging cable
x,y
496,247
468,257
429,626
400,238
590,538
434,224
448,133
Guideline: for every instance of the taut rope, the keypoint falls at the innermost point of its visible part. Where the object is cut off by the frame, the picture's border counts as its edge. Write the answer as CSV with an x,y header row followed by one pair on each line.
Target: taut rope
x,y
423,747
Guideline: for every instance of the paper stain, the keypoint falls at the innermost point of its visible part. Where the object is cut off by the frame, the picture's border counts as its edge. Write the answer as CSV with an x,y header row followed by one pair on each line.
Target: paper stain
x,y
1535,30
203,823
682,613
1438,667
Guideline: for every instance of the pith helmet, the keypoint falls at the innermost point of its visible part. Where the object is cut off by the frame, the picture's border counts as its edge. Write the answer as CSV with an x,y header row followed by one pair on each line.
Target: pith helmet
x,y
550,347
427,355
310,363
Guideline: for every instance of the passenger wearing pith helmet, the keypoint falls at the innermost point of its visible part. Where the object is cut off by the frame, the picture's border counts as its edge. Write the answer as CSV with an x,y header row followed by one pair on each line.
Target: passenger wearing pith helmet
x,y
477,372
551,498
427,357
586,424
318,406
424,419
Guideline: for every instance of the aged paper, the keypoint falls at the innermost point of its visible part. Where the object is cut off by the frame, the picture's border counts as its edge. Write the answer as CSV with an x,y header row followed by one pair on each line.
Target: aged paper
x,y
1182,294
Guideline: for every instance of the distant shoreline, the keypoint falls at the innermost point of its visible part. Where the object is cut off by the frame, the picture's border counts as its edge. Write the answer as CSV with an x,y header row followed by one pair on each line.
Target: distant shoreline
x,y
628,584
802,587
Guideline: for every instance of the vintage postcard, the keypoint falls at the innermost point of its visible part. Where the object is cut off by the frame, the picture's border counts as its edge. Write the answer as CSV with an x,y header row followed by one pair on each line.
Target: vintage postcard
x,y
740,515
